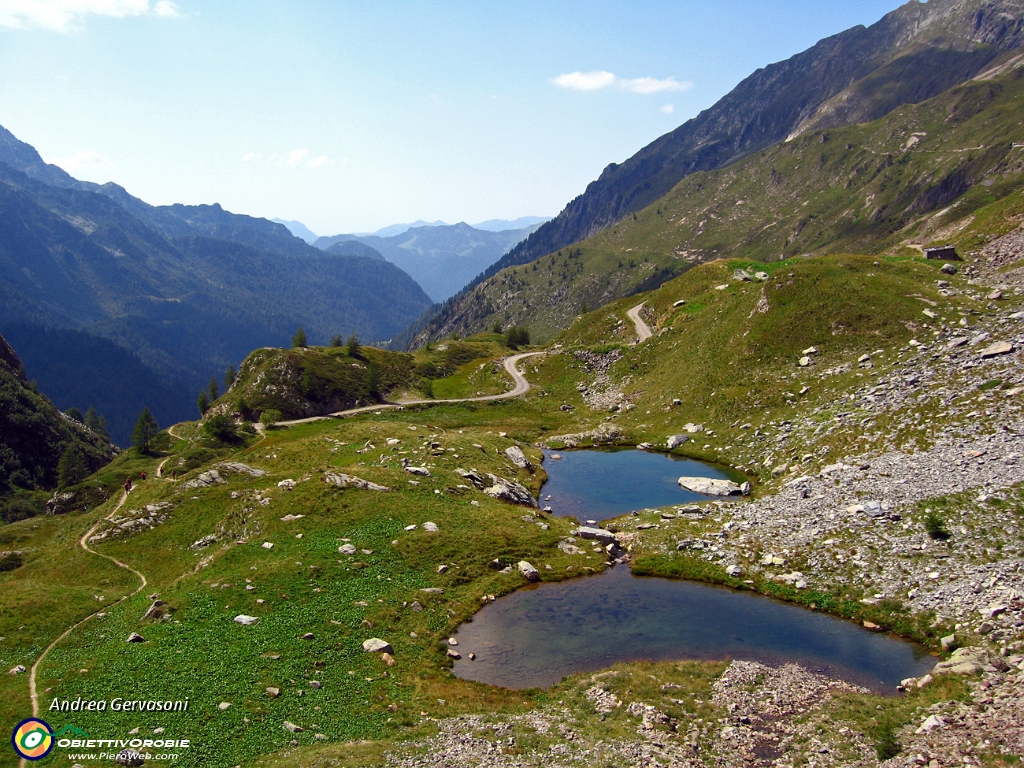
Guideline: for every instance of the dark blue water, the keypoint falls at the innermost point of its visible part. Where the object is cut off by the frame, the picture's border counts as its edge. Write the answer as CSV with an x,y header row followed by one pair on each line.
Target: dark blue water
x,y
538,635
606,483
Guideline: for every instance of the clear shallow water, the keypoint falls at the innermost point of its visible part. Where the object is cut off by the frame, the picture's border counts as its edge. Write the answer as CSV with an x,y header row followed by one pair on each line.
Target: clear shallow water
x,y
540,634
601,484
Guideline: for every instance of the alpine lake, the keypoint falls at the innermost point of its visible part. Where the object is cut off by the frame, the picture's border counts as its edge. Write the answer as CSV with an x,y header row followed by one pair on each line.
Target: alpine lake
x,y
541,633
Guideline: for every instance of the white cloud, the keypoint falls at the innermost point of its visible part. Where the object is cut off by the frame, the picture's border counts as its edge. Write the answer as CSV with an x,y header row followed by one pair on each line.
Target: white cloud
x,y
668,109
653,85
296,157
84,162
585,81
316,162
599,79
248,157
63,15
167,9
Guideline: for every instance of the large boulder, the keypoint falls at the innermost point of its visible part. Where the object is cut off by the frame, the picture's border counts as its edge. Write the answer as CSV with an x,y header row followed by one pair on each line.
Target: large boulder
x,y
516,456
510,491
711,486
528,571
376,645
676,440
597,534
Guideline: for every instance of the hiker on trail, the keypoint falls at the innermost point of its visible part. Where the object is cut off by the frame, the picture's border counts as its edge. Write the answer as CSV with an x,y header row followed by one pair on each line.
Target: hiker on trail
x,y
143,474
128,485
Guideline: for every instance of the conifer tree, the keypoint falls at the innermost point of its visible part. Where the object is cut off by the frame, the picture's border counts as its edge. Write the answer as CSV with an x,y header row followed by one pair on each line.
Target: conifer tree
x,y
299,339
72,467
145,430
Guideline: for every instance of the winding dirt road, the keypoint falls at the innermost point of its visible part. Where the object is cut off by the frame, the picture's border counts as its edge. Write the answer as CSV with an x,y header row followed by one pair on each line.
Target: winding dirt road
x,y
643,330
522,386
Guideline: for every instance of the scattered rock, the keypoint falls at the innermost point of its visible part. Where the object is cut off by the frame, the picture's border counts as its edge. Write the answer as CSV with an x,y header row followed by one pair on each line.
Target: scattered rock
x,y
350,481
135,637
430,527
675,441
528,571
246,621
273,692
376,645
347,549
995,350
516,456
289,726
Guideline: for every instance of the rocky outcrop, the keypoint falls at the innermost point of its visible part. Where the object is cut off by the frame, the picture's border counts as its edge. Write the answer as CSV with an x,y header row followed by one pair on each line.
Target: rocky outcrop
x,y
351,481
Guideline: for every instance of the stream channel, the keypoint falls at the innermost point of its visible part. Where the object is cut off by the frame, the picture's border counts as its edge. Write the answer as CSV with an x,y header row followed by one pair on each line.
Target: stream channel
x,y
539,634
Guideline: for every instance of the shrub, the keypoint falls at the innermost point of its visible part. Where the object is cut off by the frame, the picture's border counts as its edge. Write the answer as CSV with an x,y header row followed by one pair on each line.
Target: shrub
x,y
11,561
20,509
270,417
222,427
936,526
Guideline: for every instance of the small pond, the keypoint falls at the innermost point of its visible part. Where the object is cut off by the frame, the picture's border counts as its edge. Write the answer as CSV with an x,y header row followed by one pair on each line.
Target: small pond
x,y
606,483
536,636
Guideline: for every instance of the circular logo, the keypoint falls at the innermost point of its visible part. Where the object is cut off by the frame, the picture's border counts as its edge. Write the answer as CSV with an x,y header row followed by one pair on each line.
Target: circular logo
x,y
32,739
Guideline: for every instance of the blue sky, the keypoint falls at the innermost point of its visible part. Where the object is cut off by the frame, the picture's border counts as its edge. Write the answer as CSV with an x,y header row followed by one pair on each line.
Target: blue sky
x,y
349,116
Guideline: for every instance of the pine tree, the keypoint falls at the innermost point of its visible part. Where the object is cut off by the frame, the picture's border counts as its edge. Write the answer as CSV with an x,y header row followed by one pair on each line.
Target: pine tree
x,y
203,403
352,345
299,339
337,340
229,377
96,423
213,390
145,430
72,467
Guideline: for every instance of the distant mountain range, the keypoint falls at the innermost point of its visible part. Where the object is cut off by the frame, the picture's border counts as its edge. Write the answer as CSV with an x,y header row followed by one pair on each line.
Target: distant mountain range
x,y
913,54
441,258
298,229
188,289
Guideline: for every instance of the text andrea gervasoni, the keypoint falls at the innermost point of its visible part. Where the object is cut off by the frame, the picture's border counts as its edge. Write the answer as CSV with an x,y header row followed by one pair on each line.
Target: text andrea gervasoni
x,y
118,705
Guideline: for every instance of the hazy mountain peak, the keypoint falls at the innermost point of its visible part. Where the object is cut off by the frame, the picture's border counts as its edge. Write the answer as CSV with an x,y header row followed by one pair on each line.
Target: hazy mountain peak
x,y
298,229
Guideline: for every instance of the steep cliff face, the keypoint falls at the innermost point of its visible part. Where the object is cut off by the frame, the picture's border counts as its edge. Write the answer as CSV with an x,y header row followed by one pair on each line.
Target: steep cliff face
x,y
912,54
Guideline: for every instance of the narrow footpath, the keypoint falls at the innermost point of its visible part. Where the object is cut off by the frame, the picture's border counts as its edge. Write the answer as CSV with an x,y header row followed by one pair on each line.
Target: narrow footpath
x,y
84,544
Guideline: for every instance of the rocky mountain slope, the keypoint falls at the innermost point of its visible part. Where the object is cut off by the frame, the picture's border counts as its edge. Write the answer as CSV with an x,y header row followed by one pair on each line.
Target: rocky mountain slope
x,y
914,53
893,185
189,289
442,259
35,434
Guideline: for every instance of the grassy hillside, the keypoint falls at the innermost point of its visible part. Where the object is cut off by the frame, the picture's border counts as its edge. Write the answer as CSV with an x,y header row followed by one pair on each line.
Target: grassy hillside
x,y
889,186
257,545
312,381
